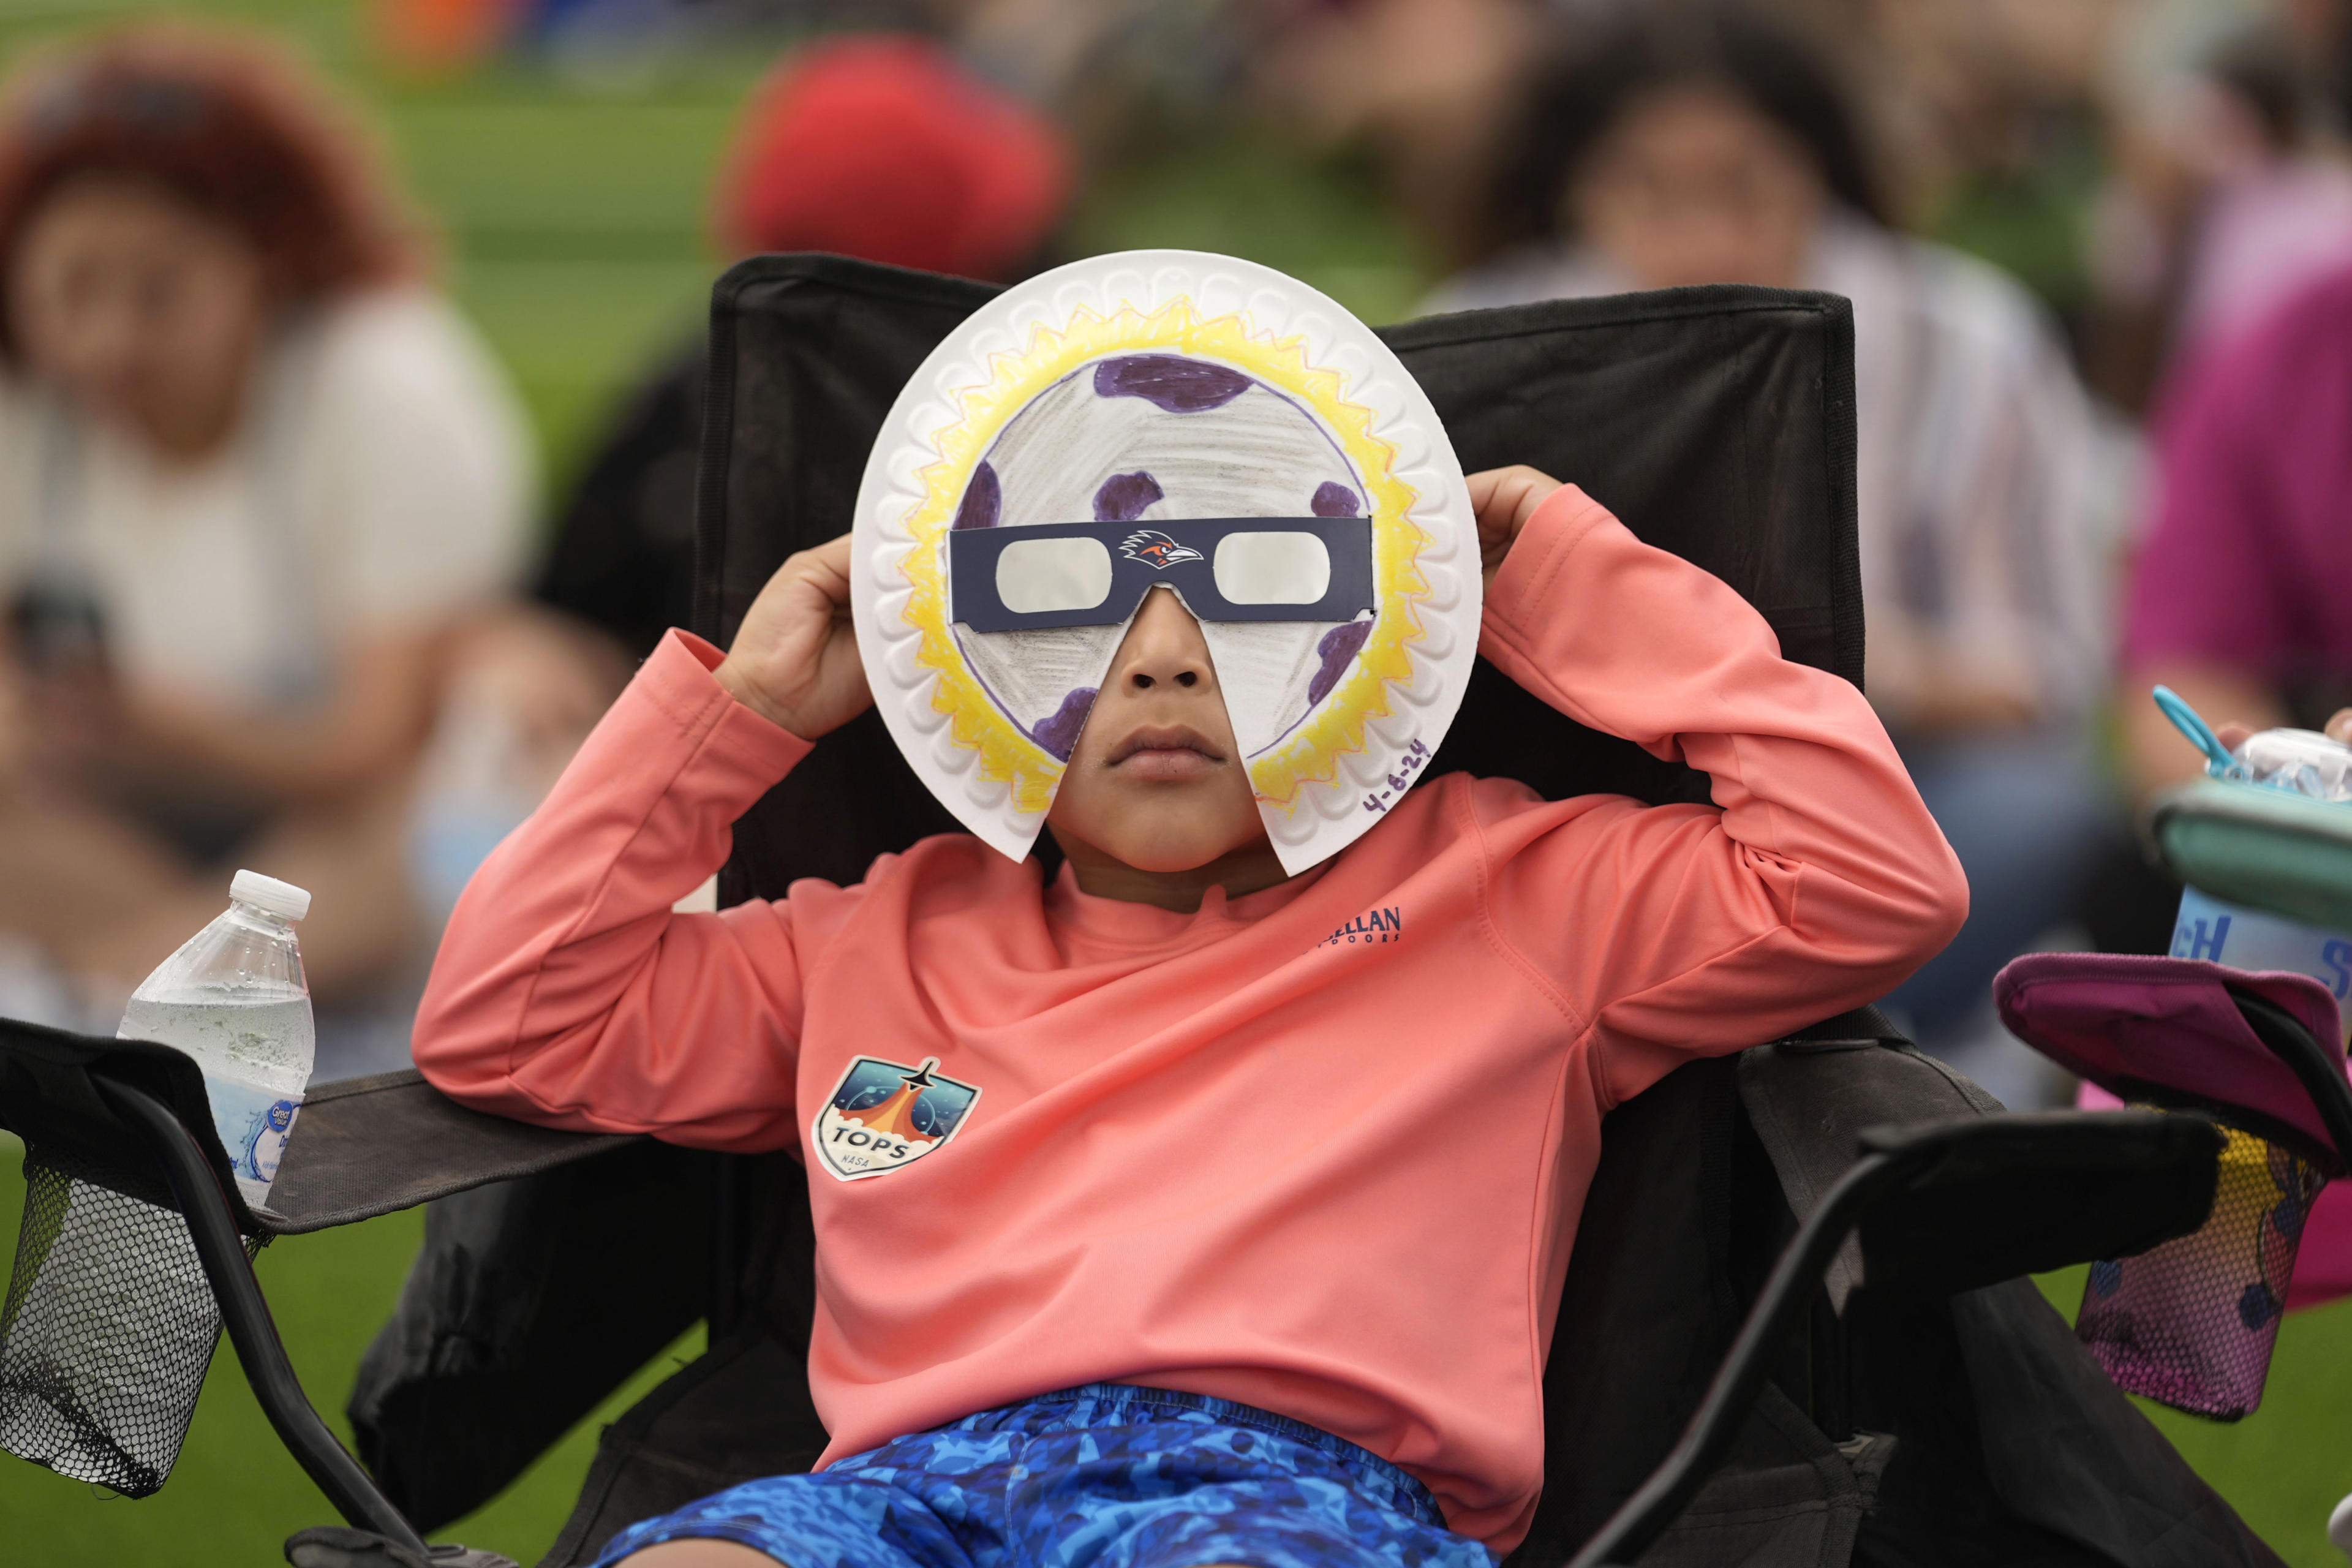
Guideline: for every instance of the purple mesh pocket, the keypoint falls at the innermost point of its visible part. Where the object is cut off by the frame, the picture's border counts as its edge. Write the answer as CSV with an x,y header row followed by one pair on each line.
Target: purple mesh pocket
x,y
2190,1323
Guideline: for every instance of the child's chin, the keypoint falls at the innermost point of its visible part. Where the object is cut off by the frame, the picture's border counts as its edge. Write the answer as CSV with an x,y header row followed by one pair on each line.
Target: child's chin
x,y
1165,863
1167,858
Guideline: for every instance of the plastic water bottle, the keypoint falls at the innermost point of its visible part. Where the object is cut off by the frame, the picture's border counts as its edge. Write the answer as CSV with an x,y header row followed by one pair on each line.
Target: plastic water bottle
x,y
234,998
2301,761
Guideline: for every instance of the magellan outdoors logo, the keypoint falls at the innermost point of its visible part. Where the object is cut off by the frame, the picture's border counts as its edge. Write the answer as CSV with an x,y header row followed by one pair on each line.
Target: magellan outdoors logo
x,y
884,1117
1371,928
1155,549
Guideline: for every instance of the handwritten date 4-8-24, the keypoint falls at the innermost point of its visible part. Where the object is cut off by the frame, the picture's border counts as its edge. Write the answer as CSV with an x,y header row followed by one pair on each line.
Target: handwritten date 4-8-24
x,y
1399,781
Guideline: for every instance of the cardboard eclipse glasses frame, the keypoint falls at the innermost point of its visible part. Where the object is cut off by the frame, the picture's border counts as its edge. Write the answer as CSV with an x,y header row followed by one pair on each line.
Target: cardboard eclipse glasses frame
x,y
1055,574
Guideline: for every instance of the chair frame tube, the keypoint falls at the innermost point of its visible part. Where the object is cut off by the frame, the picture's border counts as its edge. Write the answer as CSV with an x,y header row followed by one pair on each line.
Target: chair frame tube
x,y
251,1328
2316,1066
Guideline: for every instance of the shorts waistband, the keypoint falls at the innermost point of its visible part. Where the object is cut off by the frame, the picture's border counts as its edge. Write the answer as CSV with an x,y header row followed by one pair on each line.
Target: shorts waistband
x,y
1128,1400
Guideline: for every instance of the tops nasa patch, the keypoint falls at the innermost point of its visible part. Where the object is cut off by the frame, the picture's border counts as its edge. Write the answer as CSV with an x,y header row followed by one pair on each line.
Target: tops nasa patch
x,y
884,1116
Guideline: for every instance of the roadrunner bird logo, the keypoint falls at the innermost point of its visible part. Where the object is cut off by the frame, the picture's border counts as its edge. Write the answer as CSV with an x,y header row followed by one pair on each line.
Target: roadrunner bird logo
x,y
1156,549
884,1116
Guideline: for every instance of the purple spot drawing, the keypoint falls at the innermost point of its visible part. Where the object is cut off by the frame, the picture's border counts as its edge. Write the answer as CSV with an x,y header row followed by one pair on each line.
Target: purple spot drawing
x,y
1059,732
1123,497
1339,645
1335,500
1177,384
982,500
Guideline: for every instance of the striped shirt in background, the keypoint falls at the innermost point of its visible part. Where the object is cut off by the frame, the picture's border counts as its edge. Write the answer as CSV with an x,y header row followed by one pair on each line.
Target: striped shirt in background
x,y
1989,487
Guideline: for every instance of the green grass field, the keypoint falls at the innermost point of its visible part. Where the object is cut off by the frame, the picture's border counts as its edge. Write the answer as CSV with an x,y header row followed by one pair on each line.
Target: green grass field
x,y
236,1494
2285,1467
573,215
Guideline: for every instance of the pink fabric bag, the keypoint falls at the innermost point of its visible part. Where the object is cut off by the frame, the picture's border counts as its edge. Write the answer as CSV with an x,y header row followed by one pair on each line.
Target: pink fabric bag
x,y
2192,1323
2118,1019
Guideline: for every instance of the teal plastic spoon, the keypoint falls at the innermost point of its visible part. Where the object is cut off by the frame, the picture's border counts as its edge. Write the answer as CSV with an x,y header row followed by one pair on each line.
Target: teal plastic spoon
x,y
2186,719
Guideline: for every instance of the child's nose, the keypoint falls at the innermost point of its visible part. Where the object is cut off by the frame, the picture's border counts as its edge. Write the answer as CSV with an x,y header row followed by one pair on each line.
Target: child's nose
x,y
1164,648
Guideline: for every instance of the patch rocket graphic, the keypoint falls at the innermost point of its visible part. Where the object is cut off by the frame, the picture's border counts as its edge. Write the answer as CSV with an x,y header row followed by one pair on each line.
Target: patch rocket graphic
x,y
884,1116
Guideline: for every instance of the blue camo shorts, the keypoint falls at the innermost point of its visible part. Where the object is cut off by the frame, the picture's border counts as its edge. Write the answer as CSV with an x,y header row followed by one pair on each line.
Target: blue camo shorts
x,y
1108,1476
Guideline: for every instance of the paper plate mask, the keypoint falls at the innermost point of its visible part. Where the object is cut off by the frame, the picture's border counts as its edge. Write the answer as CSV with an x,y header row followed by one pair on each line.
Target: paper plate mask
x,y
1167,418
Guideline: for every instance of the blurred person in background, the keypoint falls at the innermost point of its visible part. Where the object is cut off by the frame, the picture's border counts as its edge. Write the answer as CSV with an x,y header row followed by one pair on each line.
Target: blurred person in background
x,y
253,474
1686,144
2237,601
2239,200
2237,592
881,147
1988,122
1423,88
2232,192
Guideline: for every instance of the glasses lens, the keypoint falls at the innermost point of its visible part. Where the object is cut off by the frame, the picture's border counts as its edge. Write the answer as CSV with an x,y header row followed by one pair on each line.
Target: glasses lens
x,y
1272,568
1036,576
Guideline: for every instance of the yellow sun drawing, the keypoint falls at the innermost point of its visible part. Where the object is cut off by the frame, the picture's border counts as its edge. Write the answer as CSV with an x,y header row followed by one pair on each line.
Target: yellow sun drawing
x,y
1309,753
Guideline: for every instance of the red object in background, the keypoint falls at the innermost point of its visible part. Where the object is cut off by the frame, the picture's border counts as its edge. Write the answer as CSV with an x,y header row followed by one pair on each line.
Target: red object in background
x,y
883,147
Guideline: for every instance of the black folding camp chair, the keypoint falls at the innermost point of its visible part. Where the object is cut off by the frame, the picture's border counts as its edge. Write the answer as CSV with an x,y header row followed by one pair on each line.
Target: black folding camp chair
x,y
1954,1421
127,1181
1956,1203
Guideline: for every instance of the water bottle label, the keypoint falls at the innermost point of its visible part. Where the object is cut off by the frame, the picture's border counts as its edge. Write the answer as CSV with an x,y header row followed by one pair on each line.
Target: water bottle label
x,y
2249,939
253,1123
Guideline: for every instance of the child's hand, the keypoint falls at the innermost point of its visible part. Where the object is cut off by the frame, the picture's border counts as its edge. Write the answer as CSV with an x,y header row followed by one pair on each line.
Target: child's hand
x,y
794,662
1504,500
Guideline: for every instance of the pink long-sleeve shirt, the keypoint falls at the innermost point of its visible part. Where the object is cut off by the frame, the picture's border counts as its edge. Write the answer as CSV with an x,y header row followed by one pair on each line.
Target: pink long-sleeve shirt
x,y
1321,1149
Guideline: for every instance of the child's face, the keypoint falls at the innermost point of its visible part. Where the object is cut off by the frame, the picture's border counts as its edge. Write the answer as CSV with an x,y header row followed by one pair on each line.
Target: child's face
x,y
1155,781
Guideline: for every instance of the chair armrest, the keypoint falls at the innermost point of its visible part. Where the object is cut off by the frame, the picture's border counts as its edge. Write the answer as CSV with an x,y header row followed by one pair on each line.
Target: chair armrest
x,y
362,1147
367,1146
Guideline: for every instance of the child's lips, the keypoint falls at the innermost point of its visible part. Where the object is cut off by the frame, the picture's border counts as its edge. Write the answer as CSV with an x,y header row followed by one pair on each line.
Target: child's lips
x,y
1172,755
1165,764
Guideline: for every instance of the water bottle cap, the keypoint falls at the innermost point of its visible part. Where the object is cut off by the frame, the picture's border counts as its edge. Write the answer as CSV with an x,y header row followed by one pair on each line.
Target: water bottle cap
x,y
283,899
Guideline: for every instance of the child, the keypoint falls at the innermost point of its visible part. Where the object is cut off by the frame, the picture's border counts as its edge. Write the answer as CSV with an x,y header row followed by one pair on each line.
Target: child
x,y
1183,1211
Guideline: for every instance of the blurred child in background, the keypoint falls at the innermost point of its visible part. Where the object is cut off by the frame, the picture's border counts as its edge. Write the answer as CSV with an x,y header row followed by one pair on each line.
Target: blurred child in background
x,y
880,147
253,473
1681,144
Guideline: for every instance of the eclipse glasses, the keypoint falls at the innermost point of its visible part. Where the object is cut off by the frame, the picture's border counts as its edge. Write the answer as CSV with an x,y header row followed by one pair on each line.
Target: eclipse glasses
x,y
1225,568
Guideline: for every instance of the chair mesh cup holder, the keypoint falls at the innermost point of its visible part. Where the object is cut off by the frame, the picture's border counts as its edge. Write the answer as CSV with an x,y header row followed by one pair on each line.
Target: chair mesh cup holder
x,y
2257,1054
106,1332
2192,1323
